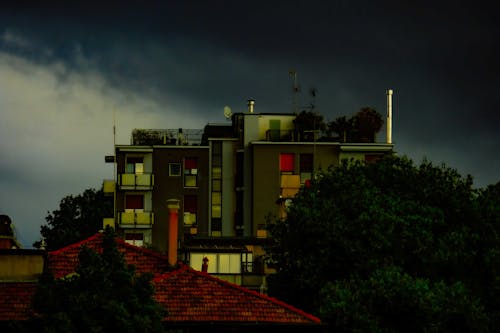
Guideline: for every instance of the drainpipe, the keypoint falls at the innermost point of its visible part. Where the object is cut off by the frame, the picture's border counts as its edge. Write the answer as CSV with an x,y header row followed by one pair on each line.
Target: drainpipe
x,y
173,229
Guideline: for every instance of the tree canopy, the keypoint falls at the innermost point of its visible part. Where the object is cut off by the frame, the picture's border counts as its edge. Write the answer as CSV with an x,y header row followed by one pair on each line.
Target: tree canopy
x,y
104,295
391,246
77,218
362,127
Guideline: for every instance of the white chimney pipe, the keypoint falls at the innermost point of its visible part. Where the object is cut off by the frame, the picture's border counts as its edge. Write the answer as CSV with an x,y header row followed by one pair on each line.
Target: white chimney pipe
x,y
251,103
389,116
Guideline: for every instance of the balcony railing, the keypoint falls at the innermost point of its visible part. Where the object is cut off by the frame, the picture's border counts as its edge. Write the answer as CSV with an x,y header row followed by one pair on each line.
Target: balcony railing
x,y
279,135
136,219
108,186
131,181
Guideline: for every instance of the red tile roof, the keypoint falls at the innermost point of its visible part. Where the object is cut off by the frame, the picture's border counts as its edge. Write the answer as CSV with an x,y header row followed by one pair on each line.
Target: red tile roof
x,y
189,296
64,261
196,297
15,300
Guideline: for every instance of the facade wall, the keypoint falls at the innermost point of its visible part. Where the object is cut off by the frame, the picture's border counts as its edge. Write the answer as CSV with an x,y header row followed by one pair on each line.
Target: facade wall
x,y
172,187
267,175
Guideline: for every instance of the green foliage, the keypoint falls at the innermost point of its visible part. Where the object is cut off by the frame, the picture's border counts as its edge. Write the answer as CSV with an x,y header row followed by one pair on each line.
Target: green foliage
x,y
362,222
146,137
104,295
362,127
391,301
308,121
77,218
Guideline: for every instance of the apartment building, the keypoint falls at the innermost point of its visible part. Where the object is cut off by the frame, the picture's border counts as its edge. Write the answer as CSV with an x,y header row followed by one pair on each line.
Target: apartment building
x,y
221,185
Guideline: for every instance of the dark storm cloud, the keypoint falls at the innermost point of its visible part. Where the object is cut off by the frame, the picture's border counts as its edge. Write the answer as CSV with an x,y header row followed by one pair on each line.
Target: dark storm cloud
x,y
178,63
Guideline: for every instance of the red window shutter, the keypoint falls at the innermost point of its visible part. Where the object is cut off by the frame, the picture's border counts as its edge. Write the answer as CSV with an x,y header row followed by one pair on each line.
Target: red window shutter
x,y
190,163
287,162
134,201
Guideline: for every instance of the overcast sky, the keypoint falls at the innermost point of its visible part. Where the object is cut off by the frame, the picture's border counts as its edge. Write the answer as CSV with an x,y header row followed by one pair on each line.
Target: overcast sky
x,y
66,69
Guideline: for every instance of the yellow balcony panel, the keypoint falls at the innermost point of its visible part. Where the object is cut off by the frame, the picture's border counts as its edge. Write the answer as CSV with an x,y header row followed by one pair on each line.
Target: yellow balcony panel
x,y
127,179
108,221
143,219
108,186
143,181
290,181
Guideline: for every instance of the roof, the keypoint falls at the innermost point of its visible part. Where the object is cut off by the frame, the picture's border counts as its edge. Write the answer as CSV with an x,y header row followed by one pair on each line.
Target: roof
x,y
188,296
197,297
64,261
15,300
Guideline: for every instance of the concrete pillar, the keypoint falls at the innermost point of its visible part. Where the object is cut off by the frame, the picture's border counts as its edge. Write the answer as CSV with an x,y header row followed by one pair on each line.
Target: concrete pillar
x,y
173,229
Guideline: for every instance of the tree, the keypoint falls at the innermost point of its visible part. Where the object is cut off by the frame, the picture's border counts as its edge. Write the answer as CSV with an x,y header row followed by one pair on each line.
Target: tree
x,y
308,122
367,123
343,127
367,239
77,218
103,295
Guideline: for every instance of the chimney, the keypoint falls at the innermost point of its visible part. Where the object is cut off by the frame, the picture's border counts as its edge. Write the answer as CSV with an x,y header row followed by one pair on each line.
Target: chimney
x,y
251,104
204,266
173,227
389,116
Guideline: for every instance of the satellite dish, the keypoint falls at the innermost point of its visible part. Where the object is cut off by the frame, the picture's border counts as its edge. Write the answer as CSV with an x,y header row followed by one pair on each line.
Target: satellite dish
x,y
227,112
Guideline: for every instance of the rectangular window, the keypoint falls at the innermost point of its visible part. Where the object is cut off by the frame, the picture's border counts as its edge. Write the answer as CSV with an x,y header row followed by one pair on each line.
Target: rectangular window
x,y
287,162
190,209
216,185
372,158
305,167
190,172
218,263
134,201
134,165
174,169
136,239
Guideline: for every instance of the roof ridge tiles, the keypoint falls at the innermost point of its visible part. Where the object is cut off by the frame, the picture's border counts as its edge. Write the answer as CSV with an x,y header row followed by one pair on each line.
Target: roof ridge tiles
x,y
76,245
185,268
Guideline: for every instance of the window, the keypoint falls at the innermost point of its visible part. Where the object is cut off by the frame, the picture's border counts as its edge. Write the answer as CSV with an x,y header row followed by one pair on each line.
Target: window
x,y
134,201
174,169
372,158
218,263
190,209
136,239
287,162
305,167
134,165
190,172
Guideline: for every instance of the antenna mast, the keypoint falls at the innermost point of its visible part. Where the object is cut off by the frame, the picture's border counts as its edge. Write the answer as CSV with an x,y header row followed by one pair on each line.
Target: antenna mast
x,y
295,91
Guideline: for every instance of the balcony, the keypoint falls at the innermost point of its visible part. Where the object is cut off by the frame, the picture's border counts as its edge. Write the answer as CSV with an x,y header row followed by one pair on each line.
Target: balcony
x,y
108,221
108,186
290,185
135,219
279,135
132,181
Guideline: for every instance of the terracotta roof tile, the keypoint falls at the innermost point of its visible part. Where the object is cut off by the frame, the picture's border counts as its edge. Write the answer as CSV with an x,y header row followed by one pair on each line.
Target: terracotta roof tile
x,y
193,296
188,296
15,300
64,261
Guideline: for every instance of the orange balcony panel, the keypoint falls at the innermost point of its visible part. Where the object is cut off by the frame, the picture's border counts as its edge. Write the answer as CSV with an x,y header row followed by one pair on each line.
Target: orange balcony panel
x,y
289,192
290,181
